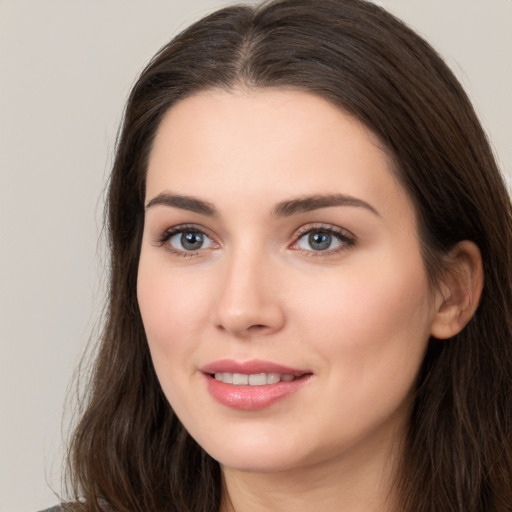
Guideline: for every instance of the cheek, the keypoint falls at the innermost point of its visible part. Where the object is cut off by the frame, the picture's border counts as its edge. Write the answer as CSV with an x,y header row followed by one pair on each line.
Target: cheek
x,y
372,327
375,317
171,311
169,299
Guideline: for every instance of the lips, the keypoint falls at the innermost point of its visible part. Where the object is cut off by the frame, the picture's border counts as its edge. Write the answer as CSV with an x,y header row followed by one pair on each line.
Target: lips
x,y
254,379
252,385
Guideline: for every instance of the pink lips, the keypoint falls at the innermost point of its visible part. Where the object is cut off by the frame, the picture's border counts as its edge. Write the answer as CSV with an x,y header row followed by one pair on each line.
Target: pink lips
x,y
247,397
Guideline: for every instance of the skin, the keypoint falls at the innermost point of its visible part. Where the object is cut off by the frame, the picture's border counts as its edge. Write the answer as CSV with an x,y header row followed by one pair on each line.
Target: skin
x,y
357,316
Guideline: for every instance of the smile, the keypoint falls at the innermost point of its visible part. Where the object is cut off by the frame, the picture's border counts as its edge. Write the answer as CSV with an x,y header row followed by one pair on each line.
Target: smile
x,y
252,385
255,379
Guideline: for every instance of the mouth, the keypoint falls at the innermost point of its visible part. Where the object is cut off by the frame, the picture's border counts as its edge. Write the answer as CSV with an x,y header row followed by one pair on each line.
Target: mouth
x,y
253,379
252,373
252,385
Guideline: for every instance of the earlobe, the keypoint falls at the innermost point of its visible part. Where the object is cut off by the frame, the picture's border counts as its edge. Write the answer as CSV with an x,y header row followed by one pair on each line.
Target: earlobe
x,y
459,292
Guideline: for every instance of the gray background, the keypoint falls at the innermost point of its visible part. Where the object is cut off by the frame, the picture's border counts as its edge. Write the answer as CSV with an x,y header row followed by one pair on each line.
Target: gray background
x,y
65,70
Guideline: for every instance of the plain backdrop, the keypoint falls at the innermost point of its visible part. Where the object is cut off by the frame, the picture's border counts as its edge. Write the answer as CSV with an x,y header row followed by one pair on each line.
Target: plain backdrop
x,y
66,68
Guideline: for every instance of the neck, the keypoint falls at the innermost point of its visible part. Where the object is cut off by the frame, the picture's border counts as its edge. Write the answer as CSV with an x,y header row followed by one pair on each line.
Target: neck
x,y
360,481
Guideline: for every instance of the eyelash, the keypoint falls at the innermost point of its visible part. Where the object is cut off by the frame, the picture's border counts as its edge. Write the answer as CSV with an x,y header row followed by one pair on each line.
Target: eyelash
x,y
184,228
346,239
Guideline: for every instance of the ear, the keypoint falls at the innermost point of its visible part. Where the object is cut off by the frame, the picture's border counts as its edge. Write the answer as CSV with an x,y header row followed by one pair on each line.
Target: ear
x,y
459,292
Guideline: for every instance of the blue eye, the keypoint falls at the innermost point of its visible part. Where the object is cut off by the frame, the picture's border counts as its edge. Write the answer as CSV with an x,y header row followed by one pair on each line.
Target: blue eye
x,y
189,240
323,239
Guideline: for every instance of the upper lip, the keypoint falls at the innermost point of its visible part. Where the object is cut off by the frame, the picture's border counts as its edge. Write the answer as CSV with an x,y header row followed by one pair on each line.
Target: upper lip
x,y
250,367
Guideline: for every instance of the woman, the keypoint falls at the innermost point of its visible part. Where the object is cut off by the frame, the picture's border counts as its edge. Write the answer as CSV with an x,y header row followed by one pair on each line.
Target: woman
x,y
302,213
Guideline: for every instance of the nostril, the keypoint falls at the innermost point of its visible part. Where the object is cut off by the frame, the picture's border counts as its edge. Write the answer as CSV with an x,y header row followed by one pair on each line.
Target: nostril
x,y
257,327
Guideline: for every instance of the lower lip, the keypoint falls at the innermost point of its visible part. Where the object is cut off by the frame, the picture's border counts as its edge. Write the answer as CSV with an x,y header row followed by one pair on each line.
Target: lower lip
x,y
252,398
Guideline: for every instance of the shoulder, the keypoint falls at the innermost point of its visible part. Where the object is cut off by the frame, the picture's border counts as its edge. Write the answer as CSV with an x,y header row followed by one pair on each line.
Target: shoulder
x,y
57,508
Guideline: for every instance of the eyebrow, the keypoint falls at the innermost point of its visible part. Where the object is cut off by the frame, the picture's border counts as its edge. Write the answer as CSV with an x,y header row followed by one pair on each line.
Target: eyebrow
x,y
282,209
307,204
191,204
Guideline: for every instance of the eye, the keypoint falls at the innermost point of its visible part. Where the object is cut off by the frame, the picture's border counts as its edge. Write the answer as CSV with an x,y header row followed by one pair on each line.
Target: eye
x,y
323,239
190,241
185,241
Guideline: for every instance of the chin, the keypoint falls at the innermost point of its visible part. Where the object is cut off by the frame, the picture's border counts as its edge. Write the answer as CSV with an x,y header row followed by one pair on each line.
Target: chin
x,y
252,454
273,463
255,454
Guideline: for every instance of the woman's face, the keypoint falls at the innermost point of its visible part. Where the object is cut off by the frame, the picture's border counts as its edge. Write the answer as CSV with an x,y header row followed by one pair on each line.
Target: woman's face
x,y
281,255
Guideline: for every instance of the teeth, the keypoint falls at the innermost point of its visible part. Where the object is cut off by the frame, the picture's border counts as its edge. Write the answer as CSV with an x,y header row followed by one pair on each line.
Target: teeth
x,y
239,379
256,379
273,378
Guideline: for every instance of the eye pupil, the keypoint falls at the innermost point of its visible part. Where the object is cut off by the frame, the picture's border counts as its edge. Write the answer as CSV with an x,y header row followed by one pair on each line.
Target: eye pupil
x,y
191,241
320,241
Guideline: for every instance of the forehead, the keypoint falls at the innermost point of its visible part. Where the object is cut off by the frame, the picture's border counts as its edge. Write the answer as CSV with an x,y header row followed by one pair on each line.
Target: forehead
x,y
268,143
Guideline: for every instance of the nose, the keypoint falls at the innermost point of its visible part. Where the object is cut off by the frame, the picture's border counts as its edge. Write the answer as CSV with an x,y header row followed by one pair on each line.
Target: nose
x,y
249,303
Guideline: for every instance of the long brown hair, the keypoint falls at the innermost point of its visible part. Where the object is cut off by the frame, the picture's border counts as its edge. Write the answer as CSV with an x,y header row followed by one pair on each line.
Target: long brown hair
x,y
129,451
